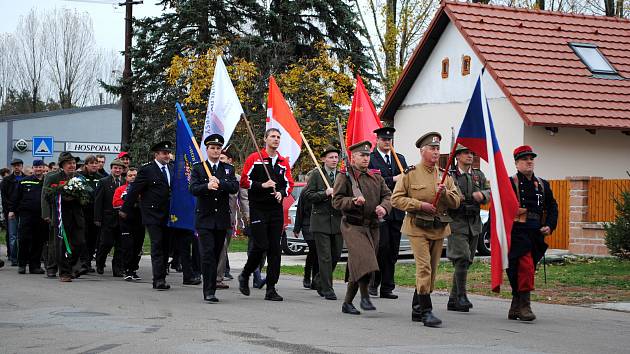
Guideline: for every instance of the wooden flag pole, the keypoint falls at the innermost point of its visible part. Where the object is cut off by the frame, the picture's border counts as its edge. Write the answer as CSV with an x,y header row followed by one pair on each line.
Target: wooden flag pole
x,y
400,168
450,160
253,137
310,152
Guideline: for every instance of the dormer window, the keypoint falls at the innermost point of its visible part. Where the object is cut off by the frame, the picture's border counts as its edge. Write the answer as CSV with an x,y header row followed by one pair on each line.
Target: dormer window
x,y
445,68
594,60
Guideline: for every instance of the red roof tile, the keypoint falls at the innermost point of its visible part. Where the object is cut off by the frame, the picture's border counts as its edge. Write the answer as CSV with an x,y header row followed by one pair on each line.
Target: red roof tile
x,y
527,53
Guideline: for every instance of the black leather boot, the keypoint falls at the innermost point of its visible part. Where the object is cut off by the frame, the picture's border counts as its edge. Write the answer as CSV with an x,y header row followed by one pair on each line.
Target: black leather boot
x,y
457,303
426,311
514,311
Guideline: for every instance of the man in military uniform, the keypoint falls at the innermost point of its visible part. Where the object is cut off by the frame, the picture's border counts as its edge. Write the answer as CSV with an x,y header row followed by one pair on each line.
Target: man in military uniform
x,y
106,217
426,225
383,160
91,175
361,211
73,222
537,218
33,230
153,184
325,222
212,218
466,225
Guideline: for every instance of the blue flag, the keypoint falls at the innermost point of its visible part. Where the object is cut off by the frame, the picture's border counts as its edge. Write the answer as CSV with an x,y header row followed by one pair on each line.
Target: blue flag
x,y
182,213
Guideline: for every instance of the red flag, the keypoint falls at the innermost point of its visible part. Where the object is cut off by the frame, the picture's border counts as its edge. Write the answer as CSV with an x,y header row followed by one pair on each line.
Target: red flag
x,y
279,116
363,118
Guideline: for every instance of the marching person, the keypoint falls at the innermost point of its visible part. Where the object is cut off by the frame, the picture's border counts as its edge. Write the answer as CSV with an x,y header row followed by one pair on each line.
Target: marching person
x,y
359,225
383,160
33,230
466,225
153,187
73,222
92,177
325,222
303,224
266,212
106,217
426,225
537,218
212,218
131,229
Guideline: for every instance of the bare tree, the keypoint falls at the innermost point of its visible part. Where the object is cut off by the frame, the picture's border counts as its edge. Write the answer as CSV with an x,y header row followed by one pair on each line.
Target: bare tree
x,y
6,74
71,56
110,73
28,58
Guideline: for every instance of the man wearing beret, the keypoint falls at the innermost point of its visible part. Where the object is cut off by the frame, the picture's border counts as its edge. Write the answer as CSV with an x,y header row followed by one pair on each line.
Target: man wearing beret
x,y
538,217
426,225
106,217
325,222
212,216
8,187
466,225
361,211
33,230
382,159
73,223
153,184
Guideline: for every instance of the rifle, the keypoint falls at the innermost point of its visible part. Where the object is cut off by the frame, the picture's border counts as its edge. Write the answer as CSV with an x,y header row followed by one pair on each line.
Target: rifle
x,y
356,188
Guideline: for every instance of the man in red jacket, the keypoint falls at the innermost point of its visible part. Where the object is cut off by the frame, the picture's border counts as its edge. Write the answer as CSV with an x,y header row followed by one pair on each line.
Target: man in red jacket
x,y
265,208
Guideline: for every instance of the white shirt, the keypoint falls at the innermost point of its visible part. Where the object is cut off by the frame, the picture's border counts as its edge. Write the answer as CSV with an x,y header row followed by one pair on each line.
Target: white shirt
x,y
273,160
168,174
384,154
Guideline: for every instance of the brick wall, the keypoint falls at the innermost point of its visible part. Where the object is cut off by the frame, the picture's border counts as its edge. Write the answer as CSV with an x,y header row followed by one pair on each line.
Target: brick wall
x,y
585,237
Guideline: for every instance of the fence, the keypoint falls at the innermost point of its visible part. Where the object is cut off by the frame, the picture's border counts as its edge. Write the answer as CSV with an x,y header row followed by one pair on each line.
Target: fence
x,y
601,196
560,237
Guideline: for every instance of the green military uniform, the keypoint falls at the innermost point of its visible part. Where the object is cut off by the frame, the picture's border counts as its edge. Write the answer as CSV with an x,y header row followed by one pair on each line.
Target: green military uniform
x,y
325,226
426,232
465,230
359,226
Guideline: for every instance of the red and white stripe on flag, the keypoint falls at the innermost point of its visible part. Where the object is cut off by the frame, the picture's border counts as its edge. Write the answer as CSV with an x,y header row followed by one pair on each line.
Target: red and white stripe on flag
x,y
280,116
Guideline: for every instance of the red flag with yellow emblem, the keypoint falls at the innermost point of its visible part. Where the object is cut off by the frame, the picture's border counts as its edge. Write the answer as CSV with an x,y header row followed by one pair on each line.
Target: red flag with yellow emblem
x,y
363,119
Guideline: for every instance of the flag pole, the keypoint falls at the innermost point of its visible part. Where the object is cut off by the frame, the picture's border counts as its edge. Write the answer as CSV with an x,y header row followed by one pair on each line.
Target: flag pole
x,y
400,168
450,161
192,137
310,152
253,137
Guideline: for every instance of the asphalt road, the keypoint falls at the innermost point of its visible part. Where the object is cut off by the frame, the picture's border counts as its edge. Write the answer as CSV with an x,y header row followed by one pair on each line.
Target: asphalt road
x,y
101,314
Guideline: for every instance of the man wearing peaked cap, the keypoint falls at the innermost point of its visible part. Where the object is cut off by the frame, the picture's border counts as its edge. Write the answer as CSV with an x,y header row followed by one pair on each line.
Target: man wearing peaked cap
x,y
537,218
361,211
383,159
426,225
214,139
153,184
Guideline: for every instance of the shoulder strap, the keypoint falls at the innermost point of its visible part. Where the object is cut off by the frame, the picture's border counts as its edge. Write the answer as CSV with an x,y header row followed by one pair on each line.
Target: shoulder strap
x,y
518,192
542,186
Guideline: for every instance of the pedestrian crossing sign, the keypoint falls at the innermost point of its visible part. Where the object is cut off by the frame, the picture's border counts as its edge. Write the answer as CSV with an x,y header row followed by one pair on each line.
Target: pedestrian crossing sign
x,y
43,146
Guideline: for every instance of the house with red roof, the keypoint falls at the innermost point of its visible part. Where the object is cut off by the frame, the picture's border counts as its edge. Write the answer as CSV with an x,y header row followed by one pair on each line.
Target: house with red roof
x,y
558,82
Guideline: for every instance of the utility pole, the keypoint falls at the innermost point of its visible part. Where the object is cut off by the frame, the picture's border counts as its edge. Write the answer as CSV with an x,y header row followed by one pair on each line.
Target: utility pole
x,y
126,79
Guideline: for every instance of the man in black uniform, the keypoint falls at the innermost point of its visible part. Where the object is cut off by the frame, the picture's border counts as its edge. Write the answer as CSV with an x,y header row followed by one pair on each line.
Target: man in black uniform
x,y
213,210
537,218
33,230
106,217
8,187
153,184
382,159
91,175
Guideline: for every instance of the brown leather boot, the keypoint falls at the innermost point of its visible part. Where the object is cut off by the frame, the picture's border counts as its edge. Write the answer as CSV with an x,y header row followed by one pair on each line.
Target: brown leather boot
x,y
514,312
525,308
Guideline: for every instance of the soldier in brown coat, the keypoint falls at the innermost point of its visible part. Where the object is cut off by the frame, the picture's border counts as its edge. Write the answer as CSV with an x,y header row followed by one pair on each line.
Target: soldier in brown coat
x,y
426,225
359,225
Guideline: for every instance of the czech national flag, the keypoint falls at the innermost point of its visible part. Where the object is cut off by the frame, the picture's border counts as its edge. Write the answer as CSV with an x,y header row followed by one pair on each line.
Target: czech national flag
x,y
477,134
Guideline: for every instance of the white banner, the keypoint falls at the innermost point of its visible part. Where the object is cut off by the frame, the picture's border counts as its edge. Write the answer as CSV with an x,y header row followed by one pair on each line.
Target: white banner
x,y
94,148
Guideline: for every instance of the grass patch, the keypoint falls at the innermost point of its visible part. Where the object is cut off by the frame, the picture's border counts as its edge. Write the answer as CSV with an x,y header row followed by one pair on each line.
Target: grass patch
x,y
576,281
238,244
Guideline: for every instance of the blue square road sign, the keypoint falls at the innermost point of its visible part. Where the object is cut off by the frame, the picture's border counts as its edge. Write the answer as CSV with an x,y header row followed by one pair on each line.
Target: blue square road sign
x,y
43,146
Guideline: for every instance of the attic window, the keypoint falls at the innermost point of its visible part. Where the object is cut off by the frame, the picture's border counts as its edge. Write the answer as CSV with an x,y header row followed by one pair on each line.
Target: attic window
x,y
465,65
594,60
445,68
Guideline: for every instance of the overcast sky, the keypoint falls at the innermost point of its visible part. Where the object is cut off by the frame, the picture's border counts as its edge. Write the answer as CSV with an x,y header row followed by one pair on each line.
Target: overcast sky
x,y
108,19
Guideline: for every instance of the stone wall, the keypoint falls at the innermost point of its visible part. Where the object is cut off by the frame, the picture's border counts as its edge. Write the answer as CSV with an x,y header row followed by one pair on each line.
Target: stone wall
x,y
585,237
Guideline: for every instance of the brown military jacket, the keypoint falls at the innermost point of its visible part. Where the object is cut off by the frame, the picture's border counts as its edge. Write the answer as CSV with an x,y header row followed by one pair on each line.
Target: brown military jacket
x,y
420,185
359,225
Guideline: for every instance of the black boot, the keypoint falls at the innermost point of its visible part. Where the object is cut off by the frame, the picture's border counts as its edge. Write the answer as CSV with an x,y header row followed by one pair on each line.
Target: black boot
x,y
366,304
525,308
416,310
243,284
457,303
514,312
425,308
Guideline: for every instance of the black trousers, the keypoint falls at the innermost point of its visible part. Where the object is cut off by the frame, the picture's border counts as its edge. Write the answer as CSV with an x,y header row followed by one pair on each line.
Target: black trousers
x,y
183,242
131,242
387,256
110,238
75,231
32,234
266,231
311,266
211,245
160,236
91,237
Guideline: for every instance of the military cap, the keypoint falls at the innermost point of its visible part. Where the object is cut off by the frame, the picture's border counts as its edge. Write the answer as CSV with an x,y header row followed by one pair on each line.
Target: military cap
x,y
65,156
117,162
364,147
523,151
431,139
385,132
460,148
162,146
38,163
328,149
17,162
213,139
123,154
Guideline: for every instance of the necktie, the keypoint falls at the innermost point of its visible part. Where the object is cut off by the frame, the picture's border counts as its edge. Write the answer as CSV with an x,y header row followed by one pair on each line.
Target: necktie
x,y
214,169
165,174
389,163
332,176
117,182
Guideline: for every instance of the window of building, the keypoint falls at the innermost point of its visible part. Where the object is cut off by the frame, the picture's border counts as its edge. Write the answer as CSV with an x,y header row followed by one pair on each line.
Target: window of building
x,y
594,60
445,68
465,65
